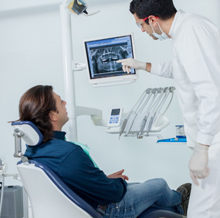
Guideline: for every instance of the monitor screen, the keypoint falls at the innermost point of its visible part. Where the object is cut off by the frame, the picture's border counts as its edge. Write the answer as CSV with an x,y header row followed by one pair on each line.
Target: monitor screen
x,y
102,55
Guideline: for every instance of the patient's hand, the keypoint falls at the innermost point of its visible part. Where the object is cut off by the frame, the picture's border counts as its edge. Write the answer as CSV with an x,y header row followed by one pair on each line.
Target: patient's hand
x,y
118,175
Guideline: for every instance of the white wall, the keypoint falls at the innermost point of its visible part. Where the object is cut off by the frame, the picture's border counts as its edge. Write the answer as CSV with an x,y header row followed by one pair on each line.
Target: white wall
x,y
30,54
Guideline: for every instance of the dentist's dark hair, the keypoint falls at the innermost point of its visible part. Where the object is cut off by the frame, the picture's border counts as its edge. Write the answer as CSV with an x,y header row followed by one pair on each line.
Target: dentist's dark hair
x,y
35,106
164,9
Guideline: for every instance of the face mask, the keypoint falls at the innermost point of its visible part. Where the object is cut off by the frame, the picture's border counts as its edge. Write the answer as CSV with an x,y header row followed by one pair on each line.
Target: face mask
x,y
161,36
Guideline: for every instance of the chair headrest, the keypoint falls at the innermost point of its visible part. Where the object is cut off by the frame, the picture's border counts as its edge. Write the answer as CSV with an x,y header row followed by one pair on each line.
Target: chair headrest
x,y
32,135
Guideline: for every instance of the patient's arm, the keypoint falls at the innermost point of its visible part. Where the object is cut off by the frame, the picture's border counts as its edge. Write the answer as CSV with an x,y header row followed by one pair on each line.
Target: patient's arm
x,y
118,174
79,171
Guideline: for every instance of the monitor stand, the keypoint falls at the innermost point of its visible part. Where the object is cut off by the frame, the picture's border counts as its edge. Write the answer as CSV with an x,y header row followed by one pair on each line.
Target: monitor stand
x,y
114,83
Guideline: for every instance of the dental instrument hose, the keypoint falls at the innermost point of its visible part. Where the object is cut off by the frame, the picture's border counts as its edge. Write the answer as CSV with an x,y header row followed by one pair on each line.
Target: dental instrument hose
x,y
148,92
2,192
126,119
170,100
161,104
152,105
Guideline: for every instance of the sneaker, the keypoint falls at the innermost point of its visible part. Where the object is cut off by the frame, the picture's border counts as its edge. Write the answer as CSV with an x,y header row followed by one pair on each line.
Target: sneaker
x,y
185,190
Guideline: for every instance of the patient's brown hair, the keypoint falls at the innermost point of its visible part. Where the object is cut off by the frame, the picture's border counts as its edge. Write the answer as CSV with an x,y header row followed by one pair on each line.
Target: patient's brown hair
x,y
35,106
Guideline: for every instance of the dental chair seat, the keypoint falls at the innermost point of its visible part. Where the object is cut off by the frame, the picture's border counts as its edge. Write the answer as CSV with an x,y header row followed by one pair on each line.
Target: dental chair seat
x,y
51,197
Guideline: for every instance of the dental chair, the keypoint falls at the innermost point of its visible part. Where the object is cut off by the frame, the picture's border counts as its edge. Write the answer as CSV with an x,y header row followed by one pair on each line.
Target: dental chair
x,y
48,194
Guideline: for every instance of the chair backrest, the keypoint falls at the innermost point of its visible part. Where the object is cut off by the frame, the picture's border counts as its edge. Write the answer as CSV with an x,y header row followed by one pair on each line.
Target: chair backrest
x,y
50,196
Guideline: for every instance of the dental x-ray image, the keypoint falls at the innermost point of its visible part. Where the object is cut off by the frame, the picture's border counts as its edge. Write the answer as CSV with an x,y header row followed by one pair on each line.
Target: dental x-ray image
x,y
104,59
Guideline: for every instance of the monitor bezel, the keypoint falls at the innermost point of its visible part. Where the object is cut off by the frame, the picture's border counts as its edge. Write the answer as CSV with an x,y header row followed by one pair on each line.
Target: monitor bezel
x,y
126,77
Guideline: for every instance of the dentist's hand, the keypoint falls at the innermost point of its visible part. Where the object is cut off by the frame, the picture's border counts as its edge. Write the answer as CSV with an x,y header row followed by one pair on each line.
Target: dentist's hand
x,y
198,163
129,63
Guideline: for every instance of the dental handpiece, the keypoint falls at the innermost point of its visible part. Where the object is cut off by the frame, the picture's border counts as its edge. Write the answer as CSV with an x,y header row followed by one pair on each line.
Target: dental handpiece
x,y
129,128
150,124
123,127
154,92
140,135
147,92
151,108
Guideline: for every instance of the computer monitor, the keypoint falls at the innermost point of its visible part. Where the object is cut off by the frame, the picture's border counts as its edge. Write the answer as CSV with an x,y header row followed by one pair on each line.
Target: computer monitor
x,y
101,57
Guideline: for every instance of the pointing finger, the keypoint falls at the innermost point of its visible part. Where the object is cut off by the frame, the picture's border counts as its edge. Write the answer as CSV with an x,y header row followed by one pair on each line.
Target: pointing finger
x,y
120,61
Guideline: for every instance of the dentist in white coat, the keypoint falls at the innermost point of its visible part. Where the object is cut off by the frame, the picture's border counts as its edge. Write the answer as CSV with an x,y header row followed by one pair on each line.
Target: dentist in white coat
x,y
196,70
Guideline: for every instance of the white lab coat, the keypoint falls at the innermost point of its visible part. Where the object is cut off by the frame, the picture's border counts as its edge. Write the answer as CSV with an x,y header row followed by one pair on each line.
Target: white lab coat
x,y
196,70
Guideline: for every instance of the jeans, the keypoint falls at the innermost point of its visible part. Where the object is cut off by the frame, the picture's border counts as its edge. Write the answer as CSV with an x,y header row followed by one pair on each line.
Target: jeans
x,y
141,196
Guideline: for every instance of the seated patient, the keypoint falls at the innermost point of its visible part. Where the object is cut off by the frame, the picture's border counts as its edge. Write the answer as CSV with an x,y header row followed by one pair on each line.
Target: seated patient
x,y
109,195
